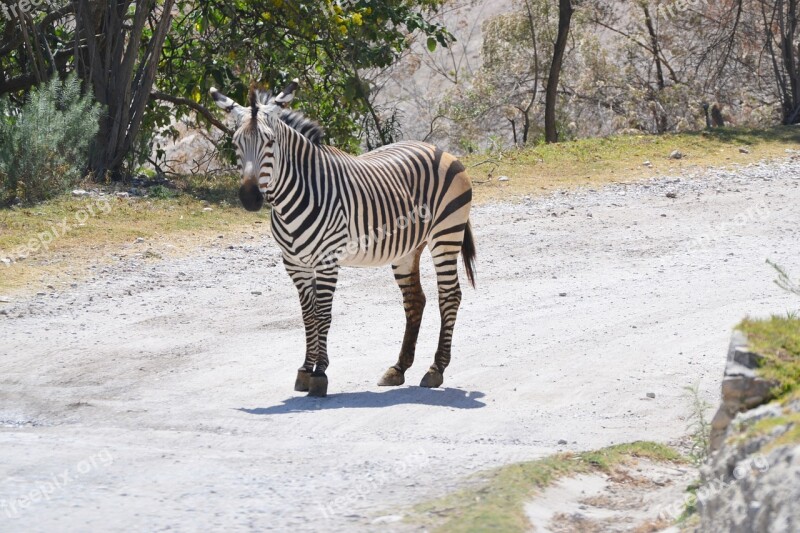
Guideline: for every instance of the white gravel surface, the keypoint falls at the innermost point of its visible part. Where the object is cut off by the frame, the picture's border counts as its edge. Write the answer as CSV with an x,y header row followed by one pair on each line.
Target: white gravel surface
x,y
158,395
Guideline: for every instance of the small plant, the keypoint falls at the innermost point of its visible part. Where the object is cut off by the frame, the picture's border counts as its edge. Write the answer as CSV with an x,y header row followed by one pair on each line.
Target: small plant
x,y
44,144
699,426
160,192
783,280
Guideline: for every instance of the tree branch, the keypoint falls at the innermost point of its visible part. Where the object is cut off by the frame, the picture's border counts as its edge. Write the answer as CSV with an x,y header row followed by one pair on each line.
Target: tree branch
x,y
194,106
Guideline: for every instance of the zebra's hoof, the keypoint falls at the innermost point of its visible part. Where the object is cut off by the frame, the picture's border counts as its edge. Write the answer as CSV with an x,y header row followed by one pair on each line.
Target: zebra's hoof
x,y
432,379
302,382
318,385
392,378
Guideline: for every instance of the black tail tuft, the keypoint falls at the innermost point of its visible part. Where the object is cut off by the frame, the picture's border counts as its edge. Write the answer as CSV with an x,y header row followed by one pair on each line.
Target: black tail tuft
x,y
468,253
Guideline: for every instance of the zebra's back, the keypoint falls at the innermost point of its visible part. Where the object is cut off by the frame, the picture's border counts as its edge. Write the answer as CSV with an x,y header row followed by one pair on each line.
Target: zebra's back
x,y
398,197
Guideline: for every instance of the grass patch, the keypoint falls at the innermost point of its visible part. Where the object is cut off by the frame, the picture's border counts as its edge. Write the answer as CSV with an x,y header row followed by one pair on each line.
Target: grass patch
x,y
99,227
180,215
766,426
497,503
777,339
595,162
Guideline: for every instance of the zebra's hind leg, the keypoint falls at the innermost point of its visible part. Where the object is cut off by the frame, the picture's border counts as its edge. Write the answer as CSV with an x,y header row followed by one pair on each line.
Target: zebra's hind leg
x,y
445,260
406,274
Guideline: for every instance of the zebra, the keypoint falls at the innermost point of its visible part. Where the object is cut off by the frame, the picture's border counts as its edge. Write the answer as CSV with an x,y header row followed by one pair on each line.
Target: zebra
x,y
331,209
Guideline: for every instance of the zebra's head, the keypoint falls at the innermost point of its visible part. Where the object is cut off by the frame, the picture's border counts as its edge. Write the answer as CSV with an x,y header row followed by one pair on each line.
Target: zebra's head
x,y
254,139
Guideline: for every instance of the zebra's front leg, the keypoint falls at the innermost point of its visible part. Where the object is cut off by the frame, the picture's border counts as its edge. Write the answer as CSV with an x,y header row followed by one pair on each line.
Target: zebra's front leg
x,y
406,274
304,281
326,278
445,259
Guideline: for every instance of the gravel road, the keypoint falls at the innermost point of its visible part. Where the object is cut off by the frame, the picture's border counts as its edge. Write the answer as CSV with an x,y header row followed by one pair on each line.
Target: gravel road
x,y
158,395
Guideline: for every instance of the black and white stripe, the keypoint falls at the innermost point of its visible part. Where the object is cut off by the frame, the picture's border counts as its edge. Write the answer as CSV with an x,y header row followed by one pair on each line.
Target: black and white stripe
x,y
332,209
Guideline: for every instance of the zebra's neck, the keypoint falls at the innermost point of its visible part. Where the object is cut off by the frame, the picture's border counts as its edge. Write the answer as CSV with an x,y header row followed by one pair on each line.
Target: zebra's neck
x,y
295,177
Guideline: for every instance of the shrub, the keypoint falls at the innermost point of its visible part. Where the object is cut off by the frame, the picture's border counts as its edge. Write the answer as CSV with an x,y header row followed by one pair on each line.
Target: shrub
x,y
44,144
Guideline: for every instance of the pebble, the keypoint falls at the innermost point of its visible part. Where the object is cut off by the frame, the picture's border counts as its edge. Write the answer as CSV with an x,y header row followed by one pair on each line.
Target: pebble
x,y
503,178
80,193
676,154
672,195
562,442
651,394
744,150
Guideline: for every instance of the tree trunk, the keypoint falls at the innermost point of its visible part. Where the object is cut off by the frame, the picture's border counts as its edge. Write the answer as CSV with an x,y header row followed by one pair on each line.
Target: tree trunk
x,y
565,12
120,69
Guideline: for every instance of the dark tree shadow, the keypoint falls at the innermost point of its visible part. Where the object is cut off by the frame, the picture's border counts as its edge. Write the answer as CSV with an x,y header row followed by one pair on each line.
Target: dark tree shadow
x,y
456,398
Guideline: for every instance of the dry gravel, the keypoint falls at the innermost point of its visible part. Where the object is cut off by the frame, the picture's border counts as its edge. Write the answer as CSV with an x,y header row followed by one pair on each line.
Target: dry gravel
x,y
158,395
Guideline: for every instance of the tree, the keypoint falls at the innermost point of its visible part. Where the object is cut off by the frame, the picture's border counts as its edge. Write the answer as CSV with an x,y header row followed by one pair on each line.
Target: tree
x,y
150,62
565,11
120,60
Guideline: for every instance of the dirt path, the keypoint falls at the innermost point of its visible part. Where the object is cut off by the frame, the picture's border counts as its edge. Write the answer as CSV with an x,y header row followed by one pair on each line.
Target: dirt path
x,y
159,395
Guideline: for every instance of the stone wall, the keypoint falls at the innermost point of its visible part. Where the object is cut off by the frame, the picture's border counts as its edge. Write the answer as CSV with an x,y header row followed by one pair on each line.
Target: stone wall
x,y
751,483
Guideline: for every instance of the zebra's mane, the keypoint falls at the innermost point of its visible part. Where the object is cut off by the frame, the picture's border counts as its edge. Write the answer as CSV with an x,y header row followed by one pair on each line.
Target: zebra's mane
x,y
308,128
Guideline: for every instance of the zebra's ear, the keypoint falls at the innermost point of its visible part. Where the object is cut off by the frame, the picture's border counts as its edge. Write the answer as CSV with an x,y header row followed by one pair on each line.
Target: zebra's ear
x,y
287,95
224,102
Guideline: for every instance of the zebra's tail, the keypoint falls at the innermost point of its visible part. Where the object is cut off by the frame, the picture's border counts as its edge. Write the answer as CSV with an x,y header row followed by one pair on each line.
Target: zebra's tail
x,y
468,253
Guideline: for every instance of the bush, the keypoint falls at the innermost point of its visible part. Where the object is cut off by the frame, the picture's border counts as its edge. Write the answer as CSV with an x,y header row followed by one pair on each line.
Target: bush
x,y
44,145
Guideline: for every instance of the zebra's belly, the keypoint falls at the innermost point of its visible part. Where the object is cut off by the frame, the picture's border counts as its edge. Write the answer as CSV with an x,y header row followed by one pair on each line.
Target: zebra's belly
x,y
376,251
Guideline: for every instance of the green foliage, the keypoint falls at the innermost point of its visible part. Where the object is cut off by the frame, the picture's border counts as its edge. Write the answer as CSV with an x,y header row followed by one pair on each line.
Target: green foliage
x,y
160,192
44,144
325,44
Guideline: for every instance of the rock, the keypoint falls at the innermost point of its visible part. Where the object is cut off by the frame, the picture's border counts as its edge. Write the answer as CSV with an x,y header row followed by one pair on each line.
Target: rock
x,y
676,154
503,178
562,442
742,389
80,193
672,195
651,394
256,293
751,481
744,150
207,209
138,240
388,519
122,194
562,294
647,164
5,260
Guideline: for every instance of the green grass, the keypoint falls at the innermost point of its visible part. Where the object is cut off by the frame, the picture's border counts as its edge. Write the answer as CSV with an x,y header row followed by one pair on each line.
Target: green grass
x,y
175,219
497,503
766,426
180,216
777,339
594,162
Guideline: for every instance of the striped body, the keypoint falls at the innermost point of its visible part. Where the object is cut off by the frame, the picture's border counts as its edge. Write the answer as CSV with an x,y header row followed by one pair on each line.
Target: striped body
x,y
365,211
332,209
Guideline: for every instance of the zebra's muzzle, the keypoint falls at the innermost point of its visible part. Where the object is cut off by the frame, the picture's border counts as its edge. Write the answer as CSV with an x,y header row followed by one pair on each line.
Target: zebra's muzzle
x,y
251,196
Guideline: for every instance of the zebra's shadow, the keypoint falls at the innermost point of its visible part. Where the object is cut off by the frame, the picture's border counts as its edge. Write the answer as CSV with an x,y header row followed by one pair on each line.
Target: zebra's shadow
x,y
448,397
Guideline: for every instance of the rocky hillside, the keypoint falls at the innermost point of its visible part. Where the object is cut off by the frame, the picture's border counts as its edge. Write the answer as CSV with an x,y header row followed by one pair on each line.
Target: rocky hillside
x,y
752,482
